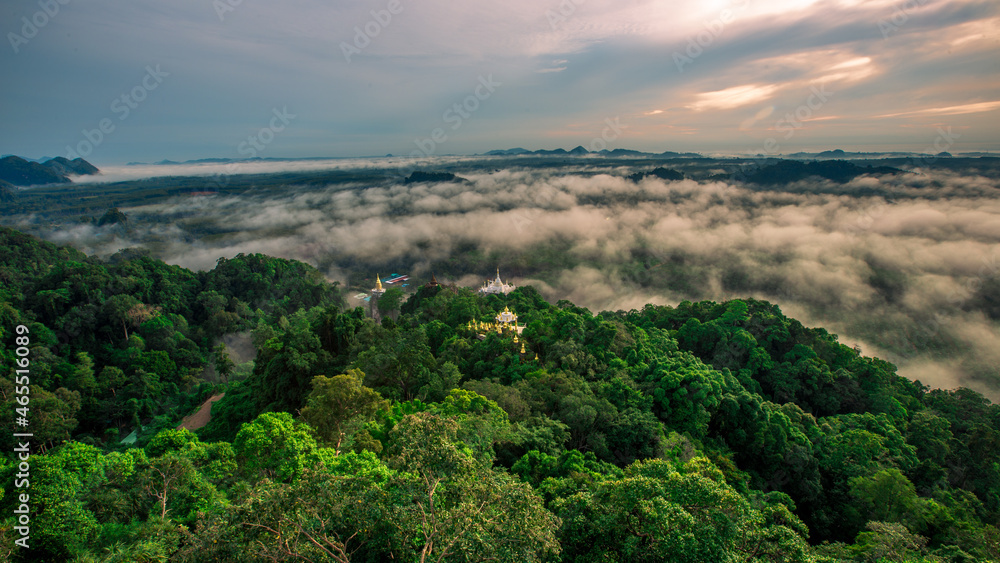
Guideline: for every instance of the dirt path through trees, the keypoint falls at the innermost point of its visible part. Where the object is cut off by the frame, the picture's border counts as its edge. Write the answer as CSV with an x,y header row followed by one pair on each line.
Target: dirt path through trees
x,y
204,414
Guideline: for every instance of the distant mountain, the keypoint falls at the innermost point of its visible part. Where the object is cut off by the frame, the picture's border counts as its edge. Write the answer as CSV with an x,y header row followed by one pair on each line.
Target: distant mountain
x,y
840,154
418,176
20,172
508,152
581,151
660,172
218,160
672,154
840,171
77,166
38,160
215,160
623,152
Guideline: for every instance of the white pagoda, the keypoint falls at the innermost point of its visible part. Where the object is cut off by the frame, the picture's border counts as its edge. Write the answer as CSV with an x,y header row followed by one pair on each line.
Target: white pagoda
x,y
496,286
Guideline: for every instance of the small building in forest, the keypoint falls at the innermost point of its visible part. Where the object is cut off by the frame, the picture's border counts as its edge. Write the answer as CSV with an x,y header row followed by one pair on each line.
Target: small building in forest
x,y
496,286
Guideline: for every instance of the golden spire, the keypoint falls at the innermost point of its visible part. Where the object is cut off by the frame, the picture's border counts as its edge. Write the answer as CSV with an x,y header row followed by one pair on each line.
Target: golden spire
x,y
522,349
378,282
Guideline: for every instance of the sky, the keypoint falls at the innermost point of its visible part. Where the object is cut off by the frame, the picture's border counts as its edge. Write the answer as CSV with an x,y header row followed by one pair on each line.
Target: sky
x,y
148,80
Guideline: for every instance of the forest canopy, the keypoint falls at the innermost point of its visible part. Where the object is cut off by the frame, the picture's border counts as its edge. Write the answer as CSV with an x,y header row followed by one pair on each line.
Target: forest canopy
x,y
705,431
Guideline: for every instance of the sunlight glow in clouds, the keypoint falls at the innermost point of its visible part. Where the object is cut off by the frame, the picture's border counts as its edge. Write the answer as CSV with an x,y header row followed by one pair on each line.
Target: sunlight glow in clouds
x,y
598,58
734,97
951,110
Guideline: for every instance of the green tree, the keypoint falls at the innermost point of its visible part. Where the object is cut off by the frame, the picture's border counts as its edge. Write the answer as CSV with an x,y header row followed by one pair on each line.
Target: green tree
x,y
457,509
274,446
116,309
82,378
286,363
658,513
336,404
54,415
62,524
224,365
887,541
390,302
169,440
398,363
886,496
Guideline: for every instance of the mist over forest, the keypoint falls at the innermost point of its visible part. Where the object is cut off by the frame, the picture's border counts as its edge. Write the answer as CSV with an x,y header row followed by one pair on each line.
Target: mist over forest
x,y
634,281
903,265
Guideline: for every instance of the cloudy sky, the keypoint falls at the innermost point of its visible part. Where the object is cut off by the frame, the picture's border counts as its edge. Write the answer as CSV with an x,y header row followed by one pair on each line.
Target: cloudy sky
x,y
189,79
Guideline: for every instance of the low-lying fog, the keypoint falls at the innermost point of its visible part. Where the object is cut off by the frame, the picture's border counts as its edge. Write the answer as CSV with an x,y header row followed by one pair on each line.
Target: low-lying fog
x,y
911,275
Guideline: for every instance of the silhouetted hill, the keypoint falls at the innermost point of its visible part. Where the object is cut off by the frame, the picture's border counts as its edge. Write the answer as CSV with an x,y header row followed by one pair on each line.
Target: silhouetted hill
x,y
582,151
672,154
840,171
840,154
67,167
21,172
38,160
836,153
113,217
623,152
508,152
419,176
659,172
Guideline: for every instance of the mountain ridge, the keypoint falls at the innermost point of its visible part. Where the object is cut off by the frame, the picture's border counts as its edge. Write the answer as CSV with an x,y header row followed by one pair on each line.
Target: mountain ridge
x,y
19,171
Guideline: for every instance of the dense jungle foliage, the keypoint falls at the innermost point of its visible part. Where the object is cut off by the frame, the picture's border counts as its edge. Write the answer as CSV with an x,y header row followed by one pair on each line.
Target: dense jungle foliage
x,y
697,433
